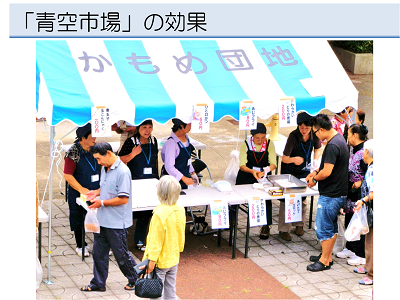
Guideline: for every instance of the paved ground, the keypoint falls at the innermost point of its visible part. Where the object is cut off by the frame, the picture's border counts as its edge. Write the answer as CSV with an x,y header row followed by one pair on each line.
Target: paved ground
x,y
285,261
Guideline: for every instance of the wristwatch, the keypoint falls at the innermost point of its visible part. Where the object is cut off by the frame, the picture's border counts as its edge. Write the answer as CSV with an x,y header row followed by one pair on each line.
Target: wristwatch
x,y
313,180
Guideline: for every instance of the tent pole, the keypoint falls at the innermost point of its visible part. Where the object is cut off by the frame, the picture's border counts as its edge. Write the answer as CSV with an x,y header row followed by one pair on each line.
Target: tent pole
x,y
52,134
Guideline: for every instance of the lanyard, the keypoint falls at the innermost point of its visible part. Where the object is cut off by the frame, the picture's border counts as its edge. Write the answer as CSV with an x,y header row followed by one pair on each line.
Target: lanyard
x,y
147,159
308,152
185,148
254,152
93,168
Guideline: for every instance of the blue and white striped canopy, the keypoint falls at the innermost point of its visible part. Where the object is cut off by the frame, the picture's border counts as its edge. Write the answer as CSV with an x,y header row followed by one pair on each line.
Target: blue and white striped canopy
x,y
160,79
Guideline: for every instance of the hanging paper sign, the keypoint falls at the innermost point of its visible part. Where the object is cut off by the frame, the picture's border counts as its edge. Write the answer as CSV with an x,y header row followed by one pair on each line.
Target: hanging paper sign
x,y
201,120
293,210
247,115
100,122
287,112
219,214
257,211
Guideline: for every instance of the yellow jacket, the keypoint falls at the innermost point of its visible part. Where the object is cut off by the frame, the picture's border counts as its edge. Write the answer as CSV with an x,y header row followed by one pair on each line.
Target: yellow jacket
x,y
166,237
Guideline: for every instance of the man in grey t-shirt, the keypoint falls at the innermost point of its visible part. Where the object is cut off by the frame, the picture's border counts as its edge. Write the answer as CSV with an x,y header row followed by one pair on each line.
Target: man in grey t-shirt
x,y
114,213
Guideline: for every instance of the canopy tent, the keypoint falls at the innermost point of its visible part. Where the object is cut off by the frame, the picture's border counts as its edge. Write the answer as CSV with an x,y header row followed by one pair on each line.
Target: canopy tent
x,y
162,78
138,79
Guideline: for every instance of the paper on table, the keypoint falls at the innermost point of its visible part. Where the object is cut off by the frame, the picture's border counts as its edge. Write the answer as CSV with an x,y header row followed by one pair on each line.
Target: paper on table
x,y
144,192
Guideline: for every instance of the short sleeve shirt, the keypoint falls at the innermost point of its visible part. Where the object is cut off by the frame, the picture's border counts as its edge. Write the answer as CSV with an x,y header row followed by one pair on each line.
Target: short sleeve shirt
x,y
117,181
336,153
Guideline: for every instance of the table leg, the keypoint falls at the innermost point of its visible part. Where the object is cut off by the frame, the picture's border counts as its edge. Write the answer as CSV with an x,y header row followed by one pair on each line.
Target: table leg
x,y
219,237
83,240
311,212
235,231
246,245
40,242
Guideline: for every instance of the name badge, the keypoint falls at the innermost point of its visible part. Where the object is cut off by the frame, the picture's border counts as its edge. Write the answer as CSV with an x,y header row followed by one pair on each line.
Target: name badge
x,y
147,171
189,162
95,178
257,168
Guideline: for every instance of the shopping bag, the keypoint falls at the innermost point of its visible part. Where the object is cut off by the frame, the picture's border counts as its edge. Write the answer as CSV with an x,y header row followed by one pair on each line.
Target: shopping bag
x,y
233,168
149,285
91,222
358,225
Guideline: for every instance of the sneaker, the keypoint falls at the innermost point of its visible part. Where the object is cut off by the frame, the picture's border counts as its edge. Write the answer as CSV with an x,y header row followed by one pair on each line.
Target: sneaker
x,y
345,253
285,236
356,260
79,252
142,248
139,244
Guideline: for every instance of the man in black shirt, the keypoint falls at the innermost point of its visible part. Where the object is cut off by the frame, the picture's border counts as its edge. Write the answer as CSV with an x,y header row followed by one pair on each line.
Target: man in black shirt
x,y
332,179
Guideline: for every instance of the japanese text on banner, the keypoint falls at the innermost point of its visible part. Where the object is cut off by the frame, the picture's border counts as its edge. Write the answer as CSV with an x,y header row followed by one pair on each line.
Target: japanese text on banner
x,y
101,126
201,120
257,211
293,209
219,214
247,115
287,112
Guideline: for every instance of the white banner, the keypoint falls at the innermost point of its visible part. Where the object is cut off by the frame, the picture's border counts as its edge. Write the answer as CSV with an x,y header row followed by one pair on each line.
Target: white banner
x,y
219,214
247,115
257,211
101,126
293,209
287,112
201,120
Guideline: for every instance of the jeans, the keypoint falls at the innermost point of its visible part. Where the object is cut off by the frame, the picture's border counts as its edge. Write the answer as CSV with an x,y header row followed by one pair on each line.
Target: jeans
x,y
326,218
116,240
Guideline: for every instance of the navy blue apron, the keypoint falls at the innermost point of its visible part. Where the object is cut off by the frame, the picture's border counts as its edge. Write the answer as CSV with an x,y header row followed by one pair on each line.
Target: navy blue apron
x,y
85,168
181,162
146,159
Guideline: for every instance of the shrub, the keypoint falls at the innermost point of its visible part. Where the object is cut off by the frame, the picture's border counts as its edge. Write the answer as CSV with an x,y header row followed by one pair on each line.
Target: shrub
x,y
355,46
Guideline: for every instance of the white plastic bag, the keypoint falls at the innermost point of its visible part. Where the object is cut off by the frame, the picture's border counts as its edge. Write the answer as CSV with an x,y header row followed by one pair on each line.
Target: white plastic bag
x,y
233,168
39,273
91,222
358,225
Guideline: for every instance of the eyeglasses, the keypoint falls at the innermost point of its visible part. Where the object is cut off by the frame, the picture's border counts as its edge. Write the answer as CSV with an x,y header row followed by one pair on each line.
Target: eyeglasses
x,y
316,130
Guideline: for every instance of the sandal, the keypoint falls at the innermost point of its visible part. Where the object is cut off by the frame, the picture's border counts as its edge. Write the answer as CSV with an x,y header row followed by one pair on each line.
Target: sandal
x,y
129,287
360,270
92,288
366,281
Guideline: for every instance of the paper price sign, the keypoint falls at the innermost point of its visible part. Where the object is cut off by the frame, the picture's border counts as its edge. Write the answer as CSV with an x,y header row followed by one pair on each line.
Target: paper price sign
x,y
287,112
293,209
219,214
201,118
101,126
257,211
247,115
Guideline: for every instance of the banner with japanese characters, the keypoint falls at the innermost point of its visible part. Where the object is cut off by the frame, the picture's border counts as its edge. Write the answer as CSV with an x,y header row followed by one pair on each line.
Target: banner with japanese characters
x,y
293,209
219,214
101,126
201,120
257,211
287,112
247,115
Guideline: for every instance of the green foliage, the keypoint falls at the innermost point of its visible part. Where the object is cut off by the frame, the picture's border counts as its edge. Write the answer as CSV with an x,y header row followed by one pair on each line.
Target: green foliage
x,y
355,46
